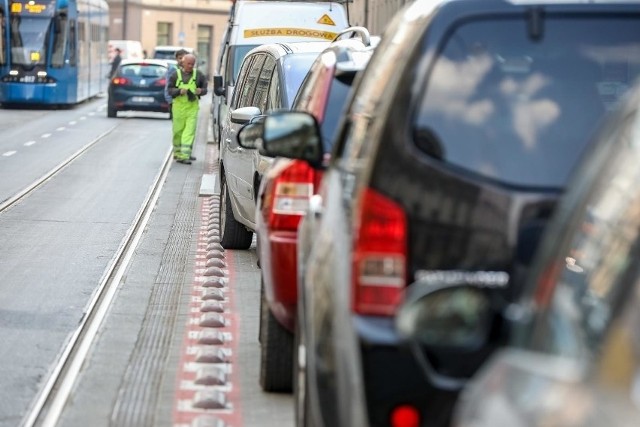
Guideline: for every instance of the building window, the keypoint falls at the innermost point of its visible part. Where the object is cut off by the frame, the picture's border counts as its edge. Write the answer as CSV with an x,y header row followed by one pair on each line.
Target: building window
x,y
203,48
165,30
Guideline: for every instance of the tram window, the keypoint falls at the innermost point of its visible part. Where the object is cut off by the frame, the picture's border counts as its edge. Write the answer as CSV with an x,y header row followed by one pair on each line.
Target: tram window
x,y
3,51
72,44
29,40
59,41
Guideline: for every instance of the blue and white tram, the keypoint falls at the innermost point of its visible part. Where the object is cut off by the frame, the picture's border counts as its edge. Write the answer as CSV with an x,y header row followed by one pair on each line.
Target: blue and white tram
x,y
4,37
54,51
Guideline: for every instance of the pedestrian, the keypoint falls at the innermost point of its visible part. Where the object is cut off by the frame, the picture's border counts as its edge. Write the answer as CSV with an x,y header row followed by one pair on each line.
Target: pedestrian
x,y
186,86
117,59
180,53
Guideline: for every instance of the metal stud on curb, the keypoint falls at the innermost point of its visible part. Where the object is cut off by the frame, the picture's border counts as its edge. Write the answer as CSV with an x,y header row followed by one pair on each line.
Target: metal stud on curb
x,y
211,307
213,294
212,320
211,337
216,262
216,282
211,375
210,399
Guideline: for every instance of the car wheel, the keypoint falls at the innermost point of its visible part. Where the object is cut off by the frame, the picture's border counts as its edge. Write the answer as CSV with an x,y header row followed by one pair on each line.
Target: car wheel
x,y
276,352
302,413
233,235
111,110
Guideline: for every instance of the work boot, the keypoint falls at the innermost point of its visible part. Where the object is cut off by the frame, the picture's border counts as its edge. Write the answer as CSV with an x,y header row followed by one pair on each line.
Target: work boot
x,y
184,161
192,158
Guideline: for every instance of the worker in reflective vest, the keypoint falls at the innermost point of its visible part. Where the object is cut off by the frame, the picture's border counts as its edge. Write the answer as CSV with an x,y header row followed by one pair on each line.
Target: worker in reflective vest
x,y
186,86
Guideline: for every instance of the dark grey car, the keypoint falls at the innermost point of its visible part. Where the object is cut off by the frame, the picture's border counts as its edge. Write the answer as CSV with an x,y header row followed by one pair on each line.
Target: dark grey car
x,y
458,142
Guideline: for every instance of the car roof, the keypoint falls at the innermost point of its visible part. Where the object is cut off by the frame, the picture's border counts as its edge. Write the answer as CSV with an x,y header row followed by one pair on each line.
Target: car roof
x,y
282,49
162,62
172,48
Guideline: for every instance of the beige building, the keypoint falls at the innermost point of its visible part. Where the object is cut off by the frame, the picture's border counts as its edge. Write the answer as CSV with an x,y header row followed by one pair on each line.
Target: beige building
x,y
199,24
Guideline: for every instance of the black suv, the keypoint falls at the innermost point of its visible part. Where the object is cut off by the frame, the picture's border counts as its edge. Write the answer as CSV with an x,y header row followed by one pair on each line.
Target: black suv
x,y
457,143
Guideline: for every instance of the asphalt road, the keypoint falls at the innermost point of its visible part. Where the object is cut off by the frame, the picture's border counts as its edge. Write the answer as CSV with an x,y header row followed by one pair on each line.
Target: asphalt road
x,y
56,244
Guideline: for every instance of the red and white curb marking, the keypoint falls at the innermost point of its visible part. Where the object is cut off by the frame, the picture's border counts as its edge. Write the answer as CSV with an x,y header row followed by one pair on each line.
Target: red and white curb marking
x,y
207,394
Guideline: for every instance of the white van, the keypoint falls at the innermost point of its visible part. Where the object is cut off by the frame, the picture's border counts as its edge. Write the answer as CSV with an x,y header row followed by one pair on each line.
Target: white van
x,y
130,49
169,52
288,21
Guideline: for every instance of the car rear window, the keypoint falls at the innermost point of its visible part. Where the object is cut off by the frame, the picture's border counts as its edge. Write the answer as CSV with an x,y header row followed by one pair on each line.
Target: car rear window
x,y
143,70
520,108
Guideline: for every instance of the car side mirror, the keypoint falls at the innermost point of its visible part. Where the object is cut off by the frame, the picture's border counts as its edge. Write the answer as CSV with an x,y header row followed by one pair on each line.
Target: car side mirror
x,y
244,115
218,85
250,135
293,134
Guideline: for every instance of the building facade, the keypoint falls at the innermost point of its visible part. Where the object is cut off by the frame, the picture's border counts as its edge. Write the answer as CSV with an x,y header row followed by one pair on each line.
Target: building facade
x,y
199,24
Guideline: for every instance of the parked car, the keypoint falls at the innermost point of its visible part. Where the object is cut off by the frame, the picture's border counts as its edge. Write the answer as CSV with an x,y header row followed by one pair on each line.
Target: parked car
x,y
138,85
574,356
169,52
289,21
283,197
448,164
269,78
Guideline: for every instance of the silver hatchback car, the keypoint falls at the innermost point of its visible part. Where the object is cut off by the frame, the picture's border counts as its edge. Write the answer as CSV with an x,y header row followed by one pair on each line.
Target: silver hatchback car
x,y
269,79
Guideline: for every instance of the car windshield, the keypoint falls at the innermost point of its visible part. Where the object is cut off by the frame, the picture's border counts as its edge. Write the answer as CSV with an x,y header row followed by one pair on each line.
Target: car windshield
x,y
520,109
295,69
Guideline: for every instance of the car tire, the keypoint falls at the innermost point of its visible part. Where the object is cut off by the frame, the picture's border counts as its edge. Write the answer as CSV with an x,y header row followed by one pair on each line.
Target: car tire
x,y
276,352
111,110
233,235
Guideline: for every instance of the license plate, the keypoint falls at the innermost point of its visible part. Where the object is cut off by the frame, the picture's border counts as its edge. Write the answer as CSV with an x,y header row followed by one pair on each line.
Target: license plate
x,y
142,99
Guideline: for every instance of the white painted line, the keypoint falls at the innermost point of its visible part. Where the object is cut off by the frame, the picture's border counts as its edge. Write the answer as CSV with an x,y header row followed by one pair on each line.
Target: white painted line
x,y
29,143
9,153
61,128
83,118
73,122
46,135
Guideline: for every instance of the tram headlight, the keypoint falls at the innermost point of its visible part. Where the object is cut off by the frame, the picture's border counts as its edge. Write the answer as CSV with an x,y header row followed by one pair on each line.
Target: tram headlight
x,y
42,74
13,72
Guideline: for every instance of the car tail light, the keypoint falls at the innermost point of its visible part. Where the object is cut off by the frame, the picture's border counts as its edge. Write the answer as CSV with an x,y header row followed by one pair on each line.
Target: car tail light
x,y
379,256
160,82
292,190
120,81
405,416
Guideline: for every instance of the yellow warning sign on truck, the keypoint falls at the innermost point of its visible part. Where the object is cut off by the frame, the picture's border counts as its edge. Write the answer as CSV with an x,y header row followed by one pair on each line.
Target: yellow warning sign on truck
x,y
290,32
326,19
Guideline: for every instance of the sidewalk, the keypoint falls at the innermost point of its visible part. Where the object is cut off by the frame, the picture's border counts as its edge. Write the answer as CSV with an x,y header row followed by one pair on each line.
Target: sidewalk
x,y
179,346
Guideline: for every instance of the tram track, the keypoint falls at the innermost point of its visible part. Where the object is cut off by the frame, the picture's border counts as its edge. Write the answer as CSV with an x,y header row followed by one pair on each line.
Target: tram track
x,y
49,404
7,203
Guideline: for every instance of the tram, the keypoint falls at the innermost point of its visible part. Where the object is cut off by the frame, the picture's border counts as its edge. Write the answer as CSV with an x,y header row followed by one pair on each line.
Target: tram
x,y
53,52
